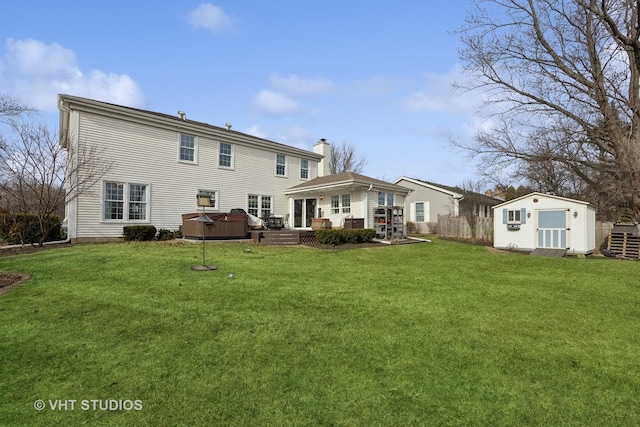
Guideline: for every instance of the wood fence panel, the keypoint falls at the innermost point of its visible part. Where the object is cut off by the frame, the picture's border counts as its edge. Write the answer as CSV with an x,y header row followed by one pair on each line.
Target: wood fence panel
x,y
458,227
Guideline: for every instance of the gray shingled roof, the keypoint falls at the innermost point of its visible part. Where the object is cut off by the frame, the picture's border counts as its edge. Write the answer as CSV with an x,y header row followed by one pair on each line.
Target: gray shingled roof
x,y
347,178
479,197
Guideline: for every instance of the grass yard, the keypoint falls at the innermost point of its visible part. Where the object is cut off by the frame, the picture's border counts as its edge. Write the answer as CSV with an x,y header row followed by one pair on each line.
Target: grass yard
x,y
439,333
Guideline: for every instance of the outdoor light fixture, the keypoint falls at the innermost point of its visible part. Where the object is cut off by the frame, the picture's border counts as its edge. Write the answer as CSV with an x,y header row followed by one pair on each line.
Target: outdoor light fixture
x,y
204,200
575,213
529,214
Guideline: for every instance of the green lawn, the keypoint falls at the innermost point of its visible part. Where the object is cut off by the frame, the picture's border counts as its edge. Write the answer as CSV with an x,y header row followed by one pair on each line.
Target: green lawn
x,y
439,333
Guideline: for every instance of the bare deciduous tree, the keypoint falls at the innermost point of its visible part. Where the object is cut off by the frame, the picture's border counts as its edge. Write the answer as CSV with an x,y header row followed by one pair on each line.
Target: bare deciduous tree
x,y
38,175
562,84
344,158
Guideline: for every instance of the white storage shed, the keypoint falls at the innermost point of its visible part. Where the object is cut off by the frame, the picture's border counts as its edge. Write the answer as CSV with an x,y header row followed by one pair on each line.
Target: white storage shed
x,y
545,221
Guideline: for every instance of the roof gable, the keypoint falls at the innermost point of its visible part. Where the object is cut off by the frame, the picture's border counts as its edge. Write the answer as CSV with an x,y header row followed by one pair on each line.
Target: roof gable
x,y
541,195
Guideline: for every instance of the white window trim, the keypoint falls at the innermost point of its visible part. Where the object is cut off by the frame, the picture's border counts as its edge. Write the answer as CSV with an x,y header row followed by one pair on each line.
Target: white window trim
x,y
308,169
286,166
414,211
514,221
195,149
216,198
342,206
260,208
126,201
233,157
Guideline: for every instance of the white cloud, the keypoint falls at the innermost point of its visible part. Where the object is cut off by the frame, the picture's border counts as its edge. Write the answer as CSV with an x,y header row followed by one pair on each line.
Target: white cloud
x,y
438,95
35,72
281,97
295,85
256,131
277,104
210,17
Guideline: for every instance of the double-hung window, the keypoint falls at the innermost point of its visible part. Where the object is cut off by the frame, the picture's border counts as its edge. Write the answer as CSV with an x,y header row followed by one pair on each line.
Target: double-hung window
x,y
341,203
304,169
187,149
419,211
137,202
281,165
125,202
259,205
113,200
335,204
346,203
225,157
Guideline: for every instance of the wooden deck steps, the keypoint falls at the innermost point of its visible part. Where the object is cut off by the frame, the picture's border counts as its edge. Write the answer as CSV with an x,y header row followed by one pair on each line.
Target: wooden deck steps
x,y
276,237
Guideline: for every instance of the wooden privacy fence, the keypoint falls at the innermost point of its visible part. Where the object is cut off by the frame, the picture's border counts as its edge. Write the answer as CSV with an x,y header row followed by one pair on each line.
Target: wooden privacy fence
x,y
458,227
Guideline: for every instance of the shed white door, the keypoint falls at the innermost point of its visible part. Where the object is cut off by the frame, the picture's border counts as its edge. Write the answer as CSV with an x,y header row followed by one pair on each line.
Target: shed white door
x,y
552,229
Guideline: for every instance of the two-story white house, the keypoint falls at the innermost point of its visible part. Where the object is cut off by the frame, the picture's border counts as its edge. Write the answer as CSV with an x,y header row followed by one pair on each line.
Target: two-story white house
x,y
157,163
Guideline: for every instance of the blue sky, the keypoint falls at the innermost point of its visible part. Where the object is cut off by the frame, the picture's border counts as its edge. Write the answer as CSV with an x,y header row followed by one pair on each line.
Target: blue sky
x,y
371,73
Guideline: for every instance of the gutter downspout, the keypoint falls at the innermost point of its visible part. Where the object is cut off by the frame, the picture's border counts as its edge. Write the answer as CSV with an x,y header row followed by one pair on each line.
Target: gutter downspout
x,y
366,206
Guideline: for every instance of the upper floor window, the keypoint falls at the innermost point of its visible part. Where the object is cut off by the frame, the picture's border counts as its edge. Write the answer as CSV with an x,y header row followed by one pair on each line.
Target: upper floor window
x,y
122,201
225,157
281,165
187,148
304,169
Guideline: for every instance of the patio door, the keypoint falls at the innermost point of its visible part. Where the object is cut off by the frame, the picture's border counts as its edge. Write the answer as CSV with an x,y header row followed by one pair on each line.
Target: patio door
x,y
303,212
552,229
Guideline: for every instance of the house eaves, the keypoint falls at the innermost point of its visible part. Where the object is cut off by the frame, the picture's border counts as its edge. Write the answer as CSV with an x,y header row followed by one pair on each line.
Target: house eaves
x,y
456,193
66,103
432,186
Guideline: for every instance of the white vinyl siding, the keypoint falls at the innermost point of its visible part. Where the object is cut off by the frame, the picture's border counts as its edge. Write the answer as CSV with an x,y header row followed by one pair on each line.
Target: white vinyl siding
x,y
146,154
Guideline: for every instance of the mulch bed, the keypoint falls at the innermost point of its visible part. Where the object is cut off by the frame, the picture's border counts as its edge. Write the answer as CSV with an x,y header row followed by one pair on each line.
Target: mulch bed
x,y
11,280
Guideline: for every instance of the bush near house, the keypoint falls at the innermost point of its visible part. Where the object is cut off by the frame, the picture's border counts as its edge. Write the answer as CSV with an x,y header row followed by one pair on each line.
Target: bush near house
x,y
164,234
342,236
139,232
25,228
